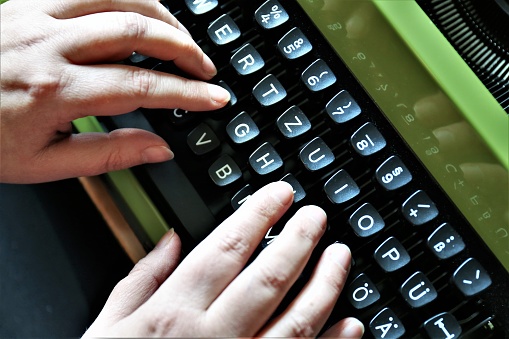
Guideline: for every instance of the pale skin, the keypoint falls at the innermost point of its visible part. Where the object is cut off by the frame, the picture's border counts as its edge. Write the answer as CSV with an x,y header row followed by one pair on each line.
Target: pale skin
x,y
58,65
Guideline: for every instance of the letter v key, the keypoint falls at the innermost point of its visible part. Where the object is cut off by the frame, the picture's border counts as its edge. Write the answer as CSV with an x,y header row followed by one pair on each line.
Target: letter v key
x,y
202,140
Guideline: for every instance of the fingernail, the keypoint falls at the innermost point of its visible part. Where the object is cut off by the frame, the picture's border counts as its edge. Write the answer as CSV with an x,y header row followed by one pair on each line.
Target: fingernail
x,y
341,255
156,154
208,66
353,329
282,192
219,94
165,239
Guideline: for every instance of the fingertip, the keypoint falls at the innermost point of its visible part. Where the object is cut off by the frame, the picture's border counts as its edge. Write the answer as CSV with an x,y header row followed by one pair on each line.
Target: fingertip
x,y
341,254
218,95
165,239
281,191
346,328
155,154
316,213
353,328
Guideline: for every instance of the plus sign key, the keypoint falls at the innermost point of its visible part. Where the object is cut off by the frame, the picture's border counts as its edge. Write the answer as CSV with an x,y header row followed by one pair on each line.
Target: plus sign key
x,y
419,208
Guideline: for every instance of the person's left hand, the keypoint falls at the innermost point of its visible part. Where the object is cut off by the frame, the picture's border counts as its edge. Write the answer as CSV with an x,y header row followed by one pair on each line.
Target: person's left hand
x,y
59,64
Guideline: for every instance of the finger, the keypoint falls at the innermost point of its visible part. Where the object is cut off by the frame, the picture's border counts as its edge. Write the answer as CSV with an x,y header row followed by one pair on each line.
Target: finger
x,y
435,111
485,176
90,154
73,9
141,283
460,141
116,89
490,178
346,328
218,259
307,314
264,283
116,35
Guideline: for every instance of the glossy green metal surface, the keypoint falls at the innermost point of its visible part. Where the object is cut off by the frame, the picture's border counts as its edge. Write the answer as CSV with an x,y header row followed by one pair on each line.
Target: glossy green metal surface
x,y
435,102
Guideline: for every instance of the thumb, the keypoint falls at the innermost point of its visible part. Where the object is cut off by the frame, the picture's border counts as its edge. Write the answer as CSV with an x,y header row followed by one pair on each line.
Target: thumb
x,y
89,154
141,283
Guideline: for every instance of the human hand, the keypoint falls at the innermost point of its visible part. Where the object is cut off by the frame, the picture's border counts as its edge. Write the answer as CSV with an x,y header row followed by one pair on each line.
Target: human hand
x,y
58,64
211,294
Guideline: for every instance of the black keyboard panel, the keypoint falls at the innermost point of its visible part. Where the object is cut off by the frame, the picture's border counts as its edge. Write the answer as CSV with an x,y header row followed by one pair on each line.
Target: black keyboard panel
x,y
297,114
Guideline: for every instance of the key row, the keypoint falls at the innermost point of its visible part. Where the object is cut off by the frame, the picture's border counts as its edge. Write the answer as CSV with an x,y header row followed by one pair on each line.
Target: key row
x,y
291,124
391,255
269,91
470,278
315,155
294,44
269,15
387,325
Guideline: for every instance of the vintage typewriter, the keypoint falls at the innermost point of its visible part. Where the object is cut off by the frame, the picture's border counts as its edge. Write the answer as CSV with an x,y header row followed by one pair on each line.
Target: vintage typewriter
x,y
391,115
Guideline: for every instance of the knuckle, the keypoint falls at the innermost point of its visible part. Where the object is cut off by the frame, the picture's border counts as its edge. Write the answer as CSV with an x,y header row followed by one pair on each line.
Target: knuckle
x,y
188,46
141,271
192,89
115,161
264,211
118,156
141,268
45,85
235,245
161,324
273,279
301,326
141,82
132,25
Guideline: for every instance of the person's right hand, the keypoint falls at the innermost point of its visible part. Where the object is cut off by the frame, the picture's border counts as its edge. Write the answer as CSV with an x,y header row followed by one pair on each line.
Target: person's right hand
x,y
59,63
211,294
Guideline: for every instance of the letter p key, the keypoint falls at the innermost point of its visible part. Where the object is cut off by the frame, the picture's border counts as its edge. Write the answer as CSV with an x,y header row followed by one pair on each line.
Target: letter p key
x,y
391,255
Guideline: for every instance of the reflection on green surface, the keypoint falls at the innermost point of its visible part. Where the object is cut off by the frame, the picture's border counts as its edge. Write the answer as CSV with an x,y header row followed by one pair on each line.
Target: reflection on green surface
x,y
434,101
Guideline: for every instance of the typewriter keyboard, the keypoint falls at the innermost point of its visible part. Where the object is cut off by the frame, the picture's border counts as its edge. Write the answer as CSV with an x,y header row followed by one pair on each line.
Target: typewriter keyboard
x,y
298,114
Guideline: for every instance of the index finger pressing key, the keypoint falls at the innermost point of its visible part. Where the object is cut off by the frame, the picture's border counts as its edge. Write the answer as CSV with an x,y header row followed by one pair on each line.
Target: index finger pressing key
x,y
265,282
215,262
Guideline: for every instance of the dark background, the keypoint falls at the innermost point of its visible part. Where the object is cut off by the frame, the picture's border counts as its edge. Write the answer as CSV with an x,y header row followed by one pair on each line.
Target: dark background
x,y
58,260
